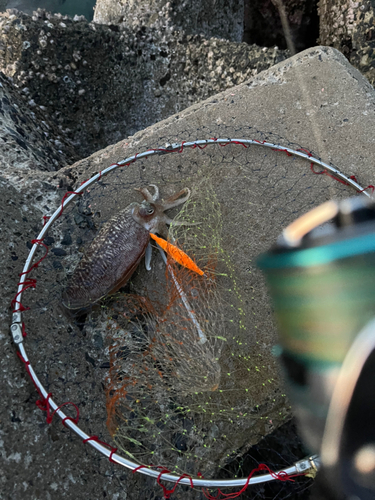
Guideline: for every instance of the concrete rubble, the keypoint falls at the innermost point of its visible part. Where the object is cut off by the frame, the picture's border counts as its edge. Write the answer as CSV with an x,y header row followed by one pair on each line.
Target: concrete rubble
x,y
315,100
135,78
350,27
77,97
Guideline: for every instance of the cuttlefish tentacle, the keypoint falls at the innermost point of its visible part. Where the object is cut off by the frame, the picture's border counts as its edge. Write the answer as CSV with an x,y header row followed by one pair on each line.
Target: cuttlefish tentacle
x,y
171,202
176,200
147,195
170,221
155,196
160,222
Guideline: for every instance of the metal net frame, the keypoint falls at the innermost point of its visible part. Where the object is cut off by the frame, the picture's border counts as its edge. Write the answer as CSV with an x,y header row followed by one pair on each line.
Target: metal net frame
x,y
47,403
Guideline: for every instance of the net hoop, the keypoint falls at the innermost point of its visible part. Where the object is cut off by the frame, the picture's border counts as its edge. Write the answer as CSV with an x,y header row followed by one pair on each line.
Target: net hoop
x,y
298,468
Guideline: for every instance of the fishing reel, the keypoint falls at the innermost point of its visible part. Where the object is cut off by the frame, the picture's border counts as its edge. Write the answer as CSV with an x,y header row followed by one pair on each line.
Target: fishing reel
x,y
321,276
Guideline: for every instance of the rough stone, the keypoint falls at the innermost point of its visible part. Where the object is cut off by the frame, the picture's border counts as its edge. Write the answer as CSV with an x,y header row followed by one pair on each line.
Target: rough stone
x,y
99,84
349,27
32,150
250,21
218,18
314,100
29,142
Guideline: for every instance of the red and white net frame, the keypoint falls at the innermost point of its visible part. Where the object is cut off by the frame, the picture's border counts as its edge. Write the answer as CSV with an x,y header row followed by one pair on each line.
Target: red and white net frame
x,y
47,404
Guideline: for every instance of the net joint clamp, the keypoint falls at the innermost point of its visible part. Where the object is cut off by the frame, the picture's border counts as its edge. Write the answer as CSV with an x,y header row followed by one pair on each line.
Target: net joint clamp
x,y
16,328
168,148
311,463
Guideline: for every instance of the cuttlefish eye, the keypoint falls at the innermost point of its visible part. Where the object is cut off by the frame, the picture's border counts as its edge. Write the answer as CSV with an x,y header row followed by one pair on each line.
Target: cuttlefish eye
x,y
146,211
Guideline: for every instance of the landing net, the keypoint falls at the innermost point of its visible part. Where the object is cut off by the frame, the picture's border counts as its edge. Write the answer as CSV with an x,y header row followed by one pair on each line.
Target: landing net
x,y
175,370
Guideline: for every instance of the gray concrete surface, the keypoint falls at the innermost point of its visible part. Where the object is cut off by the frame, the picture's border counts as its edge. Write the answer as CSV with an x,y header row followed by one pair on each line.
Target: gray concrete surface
x,y
100,84
29,141
314,100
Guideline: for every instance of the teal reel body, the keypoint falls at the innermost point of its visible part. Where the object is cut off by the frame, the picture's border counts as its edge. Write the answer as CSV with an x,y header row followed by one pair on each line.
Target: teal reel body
x,y
321,277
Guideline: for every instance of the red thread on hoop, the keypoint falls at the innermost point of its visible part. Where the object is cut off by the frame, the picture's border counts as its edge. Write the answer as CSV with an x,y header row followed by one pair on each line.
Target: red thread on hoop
x,y
239,143
143,467
167,150
312,168
303,150
75,419
280,476
283,151
64,198
28,283
27,363
129,163
199,146
95,438
370,186
352,177
24,334
45,219
325,172
43,403
34,266
167,493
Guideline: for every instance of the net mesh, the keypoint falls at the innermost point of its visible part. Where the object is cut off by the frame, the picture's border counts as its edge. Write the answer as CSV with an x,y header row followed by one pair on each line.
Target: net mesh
x,y
168,386
191,392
